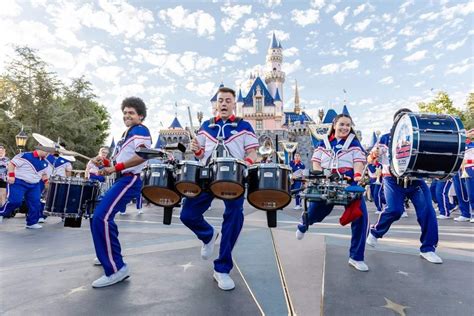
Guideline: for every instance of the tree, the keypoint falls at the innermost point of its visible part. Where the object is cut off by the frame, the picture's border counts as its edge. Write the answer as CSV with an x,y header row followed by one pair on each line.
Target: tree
x,y
441,104
32,97
468,115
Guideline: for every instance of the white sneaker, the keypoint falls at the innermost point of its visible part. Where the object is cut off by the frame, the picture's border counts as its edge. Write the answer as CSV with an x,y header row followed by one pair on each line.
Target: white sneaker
x,y
118,276
461,219
472,220
139,212
404,215
41,220
97,262
359,265
208,249
442,217
431,257
371,240
1,219
378,212
224,281
297,207
34,226
123,213
299,234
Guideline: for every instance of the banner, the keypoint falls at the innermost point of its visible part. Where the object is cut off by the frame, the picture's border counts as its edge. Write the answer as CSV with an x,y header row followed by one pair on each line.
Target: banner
x,y
319,130
289,147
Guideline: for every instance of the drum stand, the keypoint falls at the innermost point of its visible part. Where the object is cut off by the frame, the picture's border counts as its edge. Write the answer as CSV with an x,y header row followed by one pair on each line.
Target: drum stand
x,y
167,215
272,218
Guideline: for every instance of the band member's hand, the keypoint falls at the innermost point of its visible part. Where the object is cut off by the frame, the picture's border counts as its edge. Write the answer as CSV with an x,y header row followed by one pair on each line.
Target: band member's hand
x,y
106,171
97,161
195,145
11,180
470,133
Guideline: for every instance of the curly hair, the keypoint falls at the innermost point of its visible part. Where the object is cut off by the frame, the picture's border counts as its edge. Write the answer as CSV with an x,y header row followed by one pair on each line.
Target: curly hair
x,y
137,104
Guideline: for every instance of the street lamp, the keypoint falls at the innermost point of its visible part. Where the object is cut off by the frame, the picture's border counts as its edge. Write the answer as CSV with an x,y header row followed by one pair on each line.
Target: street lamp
x,y
21,139
321,114
199,116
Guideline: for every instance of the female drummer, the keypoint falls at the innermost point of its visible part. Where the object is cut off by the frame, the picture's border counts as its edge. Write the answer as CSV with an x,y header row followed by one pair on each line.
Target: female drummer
x,y
347,159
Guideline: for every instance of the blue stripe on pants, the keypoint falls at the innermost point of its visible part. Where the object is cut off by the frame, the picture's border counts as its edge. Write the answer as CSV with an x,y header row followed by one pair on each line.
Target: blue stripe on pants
x,y
420,195
192,217
317,211
103,228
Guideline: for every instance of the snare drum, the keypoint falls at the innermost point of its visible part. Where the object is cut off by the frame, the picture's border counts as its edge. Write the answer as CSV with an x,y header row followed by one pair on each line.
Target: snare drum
x,y
71,197
159,185
268,186
332,192
227,178
188,178
427,145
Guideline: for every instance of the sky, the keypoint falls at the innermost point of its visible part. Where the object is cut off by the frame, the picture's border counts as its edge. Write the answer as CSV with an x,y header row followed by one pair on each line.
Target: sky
x,y
384,54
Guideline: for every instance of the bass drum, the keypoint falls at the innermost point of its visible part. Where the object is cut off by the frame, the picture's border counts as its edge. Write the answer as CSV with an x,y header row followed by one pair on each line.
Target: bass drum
x,y
427,145
269,186
159,185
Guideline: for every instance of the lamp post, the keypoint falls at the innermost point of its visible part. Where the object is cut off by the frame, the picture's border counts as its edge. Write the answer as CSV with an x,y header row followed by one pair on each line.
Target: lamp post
x,y
199,116
321,114
21,139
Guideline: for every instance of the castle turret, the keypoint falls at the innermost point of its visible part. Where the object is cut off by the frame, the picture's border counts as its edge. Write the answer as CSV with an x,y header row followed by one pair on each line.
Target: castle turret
x,y
297,109
274,77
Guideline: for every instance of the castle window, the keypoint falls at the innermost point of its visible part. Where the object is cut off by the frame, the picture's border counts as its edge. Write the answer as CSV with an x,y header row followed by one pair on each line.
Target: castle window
x,y
259,124
258,104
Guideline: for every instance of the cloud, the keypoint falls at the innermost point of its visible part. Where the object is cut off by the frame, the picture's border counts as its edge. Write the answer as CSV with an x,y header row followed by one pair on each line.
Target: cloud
x,y
272,3
341,16
419,84
281,36
426,37
456,45
386,80
387,59
9,8
405,5
335,68
289,68
389,44
109,74
233,15
407,31
180,18
362,43
331,7
428,68
361,26
292,51
419,55
305,17
202,89
460,67
58,57
318,4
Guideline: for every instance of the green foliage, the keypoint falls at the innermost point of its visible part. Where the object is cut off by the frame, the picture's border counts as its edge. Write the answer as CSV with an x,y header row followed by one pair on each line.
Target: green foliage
x,y
32,97
468,115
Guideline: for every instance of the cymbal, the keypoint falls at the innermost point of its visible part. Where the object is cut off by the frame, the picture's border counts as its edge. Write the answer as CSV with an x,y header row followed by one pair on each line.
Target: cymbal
x,y
62,152
45,141
149,153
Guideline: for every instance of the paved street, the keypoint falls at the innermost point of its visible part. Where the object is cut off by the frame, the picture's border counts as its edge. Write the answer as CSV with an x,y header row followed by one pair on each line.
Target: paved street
x,y
49,271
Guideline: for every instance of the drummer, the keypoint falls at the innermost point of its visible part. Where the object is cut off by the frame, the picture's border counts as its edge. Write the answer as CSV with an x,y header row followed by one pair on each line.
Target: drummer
x,y
92,171
395,192
350,160
241,143
127,186
25,172
297,166
469,170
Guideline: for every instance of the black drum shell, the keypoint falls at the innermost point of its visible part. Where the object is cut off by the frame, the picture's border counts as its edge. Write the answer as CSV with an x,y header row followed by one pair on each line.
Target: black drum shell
x,y
158,183
188,175
227,171
268,181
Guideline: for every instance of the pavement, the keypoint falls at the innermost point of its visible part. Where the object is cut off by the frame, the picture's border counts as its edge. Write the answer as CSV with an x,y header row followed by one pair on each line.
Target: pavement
x,y
50,271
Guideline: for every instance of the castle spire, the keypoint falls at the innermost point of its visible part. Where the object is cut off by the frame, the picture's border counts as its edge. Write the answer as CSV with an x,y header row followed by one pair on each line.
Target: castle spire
x,y
297,99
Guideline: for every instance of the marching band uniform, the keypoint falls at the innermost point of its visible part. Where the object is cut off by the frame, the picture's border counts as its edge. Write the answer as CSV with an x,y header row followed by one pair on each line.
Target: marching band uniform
x,y
59,165
395,193
459,184
442,197
376,189
297,166
30,168
238,140
469,169
347,151
127,186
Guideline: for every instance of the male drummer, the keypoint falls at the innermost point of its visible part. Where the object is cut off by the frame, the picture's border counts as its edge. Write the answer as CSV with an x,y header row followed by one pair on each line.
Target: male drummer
x,y
25,172
395,192
241,142
128,166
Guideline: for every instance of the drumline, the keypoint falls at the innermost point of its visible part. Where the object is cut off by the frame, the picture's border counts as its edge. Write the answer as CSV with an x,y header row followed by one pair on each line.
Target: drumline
x,y
423,145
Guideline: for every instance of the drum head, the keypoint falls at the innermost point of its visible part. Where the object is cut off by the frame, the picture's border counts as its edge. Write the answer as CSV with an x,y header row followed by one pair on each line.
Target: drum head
x,y
402,145
188,189
161,196
269,200
226,190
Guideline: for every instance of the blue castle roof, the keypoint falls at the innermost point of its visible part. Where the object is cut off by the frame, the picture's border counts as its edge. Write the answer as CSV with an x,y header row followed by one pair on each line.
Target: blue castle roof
x,y
159,143
274,43
240,98
268,99
214,98
291,117
345,111
374,140
277,96
329,116
175,124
